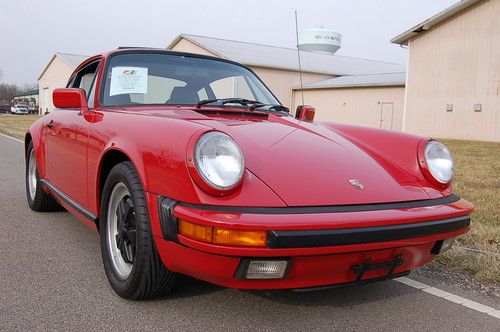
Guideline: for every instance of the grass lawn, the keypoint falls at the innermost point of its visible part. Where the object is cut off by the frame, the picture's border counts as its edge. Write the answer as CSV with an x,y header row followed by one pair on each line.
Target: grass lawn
x,y
16,125
477,179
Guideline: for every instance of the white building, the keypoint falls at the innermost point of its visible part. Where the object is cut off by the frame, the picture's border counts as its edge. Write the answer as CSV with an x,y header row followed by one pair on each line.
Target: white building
x,y
453,82
55,75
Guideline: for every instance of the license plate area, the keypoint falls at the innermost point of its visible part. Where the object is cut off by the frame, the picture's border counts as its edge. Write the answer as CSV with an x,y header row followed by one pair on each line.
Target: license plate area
x,y
361,269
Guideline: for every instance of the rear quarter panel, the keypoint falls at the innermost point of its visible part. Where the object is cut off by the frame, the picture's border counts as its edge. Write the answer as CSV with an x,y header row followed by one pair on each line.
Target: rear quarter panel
x,y
35,132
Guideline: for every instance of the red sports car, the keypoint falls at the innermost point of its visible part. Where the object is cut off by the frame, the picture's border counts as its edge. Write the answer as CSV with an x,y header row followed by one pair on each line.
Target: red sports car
x,y
188,164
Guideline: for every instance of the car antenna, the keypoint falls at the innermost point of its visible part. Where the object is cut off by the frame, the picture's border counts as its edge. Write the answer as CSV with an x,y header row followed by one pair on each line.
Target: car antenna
x,y
298,56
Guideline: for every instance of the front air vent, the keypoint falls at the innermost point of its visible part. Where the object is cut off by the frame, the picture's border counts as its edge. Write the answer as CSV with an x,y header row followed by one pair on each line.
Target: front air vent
x,y
217,113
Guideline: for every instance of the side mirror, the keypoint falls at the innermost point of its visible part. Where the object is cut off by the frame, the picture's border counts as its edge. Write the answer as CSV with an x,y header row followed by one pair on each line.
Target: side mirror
x,y
70,98
305,113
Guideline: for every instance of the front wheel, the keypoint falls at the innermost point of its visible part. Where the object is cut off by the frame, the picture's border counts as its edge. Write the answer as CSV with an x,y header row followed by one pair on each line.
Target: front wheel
x,y
130,258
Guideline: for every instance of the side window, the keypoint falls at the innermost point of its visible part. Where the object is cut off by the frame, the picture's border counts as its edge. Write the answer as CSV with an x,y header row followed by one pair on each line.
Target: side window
x,y
91,96
232,86
86,81
202,94
256,90
85,78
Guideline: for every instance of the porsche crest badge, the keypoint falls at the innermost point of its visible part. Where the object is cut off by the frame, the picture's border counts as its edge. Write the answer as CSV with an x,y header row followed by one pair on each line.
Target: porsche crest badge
x,y
356,184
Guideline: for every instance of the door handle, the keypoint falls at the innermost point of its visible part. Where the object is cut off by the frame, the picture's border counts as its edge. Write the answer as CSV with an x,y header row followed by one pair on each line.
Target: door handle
x,y
50,124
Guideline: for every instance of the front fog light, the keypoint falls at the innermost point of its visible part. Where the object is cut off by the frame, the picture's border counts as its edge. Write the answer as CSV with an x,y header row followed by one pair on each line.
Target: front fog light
x,y
262,269
442,246
447,244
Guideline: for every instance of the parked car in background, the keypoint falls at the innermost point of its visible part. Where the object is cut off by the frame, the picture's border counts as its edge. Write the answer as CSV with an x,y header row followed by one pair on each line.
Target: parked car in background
x,y
4,109
19,109
189,164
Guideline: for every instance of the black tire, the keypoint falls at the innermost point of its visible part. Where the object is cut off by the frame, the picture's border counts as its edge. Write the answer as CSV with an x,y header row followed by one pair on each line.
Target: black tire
x,y
148,277
41,201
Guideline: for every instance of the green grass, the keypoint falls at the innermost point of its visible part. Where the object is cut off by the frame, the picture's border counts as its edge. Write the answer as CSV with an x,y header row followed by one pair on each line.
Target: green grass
x,y
477,179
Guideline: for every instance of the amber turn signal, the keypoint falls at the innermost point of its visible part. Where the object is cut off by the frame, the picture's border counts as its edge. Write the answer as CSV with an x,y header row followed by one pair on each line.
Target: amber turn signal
x,y
196,232
231,237
222,236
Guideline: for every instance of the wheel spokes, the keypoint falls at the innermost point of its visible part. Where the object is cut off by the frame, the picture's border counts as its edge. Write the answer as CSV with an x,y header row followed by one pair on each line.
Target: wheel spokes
x,y
119,242
131,236
126,237
129,252
121,212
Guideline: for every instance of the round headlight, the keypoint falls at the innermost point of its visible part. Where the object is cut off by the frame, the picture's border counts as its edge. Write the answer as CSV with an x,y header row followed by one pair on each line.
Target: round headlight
x,y
219,160
439,161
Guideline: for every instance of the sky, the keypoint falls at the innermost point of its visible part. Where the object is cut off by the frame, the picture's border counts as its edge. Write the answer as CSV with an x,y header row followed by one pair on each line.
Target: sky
x,y
32,31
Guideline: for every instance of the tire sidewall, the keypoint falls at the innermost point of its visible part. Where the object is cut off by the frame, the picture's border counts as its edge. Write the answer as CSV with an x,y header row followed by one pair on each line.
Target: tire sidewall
x,y
128,287
35,201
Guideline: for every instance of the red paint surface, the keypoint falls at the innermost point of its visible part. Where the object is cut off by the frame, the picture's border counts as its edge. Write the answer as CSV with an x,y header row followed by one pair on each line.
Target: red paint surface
x,y
69,98
306,271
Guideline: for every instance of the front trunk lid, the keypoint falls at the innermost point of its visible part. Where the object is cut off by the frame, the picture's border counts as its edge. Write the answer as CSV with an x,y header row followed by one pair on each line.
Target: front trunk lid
x,y
314,166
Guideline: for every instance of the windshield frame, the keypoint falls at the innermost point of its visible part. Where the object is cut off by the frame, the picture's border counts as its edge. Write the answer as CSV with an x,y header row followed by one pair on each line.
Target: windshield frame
x,y
107,61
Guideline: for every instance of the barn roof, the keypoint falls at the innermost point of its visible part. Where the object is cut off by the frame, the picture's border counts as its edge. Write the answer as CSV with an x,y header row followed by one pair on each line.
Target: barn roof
x,y
432,21
373,80
258,55
73,60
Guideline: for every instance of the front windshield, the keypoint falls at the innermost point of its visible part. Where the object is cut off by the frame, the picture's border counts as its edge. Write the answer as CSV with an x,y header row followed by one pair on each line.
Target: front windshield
x,y
153,78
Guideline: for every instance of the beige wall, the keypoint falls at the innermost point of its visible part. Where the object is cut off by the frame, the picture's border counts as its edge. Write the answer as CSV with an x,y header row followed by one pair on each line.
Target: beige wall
x,y
56,76
365,106
279,81
457,62
184,45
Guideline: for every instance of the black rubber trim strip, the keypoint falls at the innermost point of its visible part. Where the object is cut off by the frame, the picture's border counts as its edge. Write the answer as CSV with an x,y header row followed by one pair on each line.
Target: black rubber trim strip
x,y
86,213
326,209
347,236
346,284
168,222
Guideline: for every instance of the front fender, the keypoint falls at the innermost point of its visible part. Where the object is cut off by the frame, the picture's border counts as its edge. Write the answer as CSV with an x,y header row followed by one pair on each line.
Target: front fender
x,y
157,147
396,147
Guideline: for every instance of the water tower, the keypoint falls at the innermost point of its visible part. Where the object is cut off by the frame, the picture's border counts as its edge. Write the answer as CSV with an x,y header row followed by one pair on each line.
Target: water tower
x,y
319,39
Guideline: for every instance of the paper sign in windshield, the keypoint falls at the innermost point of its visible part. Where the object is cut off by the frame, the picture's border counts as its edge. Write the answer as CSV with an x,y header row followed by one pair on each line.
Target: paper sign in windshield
x,y
125,80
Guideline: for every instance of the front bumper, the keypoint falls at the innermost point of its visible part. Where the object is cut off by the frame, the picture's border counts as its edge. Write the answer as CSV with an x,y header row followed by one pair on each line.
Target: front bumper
x,y
322,247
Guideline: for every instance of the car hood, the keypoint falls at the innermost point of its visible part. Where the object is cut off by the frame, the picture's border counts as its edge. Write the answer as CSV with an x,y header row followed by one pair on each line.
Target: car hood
x,y
307,164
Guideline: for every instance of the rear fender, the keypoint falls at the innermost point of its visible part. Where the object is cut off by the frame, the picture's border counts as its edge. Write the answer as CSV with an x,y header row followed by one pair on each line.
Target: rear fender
x,y
34,134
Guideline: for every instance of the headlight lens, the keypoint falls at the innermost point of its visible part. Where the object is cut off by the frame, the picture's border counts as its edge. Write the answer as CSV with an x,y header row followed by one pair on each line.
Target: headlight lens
x,y
439,161
219,160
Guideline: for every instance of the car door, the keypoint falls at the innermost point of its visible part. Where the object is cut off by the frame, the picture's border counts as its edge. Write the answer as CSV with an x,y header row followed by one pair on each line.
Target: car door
x,y
66,136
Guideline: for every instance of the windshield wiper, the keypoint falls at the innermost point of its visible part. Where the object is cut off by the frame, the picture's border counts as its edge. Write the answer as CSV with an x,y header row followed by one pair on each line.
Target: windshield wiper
x,y
254,104
223,101
270,107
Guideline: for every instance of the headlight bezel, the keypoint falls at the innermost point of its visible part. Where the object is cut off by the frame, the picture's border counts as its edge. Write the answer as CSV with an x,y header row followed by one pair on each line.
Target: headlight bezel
x,y
426,168
197,173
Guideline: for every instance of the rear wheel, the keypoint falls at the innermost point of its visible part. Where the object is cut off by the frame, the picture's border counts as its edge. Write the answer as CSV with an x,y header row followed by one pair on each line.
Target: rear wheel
x,y
130,258
38,199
